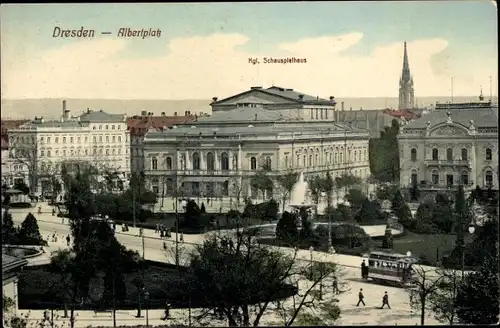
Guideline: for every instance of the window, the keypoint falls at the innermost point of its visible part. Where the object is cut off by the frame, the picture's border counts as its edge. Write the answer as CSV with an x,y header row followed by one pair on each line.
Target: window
x,y
79,139
106,127
42,153
464,154
488,154
100,151
48,139
316,159
413,153
86,151
321,113
169,162
156,185
341,157
225,188
312,113
100,127
119,151
114,138
95,151
94,139
286,161
107,138
414,177
64,139
464,178
48,153
489,178
355,155
41,140
119,139
326,113
310,160
118,127
64,152
100,138
210,161
107,151
196,161
112,127
253,163
304,160
317,112
57,152
224,162
449,154
435,177
93,128
435,154
71,139
86,139
154,163
268,163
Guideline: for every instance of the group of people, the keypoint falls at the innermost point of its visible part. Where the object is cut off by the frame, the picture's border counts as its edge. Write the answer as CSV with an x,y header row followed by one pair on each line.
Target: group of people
x,y
364,270
163,231
385,299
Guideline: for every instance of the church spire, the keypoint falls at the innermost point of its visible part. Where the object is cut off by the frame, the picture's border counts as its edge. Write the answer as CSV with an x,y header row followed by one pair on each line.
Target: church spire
x,y
406,92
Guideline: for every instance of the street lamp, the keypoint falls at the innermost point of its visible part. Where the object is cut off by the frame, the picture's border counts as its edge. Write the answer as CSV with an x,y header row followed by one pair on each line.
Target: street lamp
x,y
146,296
311,250
471,231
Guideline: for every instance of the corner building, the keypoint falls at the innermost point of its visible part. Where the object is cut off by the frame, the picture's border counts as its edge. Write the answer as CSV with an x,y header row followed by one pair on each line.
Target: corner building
x,y
217,156
455,144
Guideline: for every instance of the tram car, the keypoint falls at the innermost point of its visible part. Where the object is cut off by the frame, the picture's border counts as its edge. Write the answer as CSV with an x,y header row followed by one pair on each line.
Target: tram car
x,y
391,268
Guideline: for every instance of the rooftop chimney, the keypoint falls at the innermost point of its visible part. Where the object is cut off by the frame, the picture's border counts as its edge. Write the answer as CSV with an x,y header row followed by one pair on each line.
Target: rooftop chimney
x,y
301,97
215,99
162,113
144,113
175,113
64,105
342,105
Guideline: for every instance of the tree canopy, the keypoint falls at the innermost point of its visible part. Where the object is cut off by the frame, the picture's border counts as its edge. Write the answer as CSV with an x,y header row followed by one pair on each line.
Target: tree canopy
x,y
384,154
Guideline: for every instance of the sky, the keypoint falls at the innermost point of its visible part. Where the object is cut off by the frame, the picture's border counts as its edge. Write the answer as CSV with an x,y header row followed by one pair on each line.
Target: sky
x,y
351,49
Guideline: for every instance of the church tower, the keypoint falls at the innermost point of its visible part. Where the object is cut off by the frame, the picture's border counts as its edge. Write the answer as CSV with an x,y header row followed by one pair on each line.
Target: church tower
x,y
406,92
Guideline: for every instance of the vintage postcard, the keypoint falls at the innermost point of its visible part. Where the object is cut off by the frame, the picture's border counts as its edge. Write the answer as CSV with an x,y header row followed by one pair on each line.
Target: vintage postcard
x,y
249,163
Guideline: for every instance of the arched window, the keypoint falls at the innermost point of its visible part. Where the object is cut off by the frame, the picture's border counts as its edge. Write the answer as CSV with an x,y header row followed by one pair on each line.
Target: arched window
x,y
341,158
316,160
449,154
464,154
169,163
268,163
414,177
310,160
253,164
156,185
335,159
154,163
225,188
488,154
224,162
365,157
464,178
435,154
210,161
196,161
489,178
286,161
413,154
435,177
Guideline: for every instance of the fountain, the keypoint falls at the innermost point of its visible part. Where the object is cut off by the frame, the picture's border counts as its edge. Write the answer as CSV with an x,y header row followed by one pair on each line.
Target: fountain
x,y
298,196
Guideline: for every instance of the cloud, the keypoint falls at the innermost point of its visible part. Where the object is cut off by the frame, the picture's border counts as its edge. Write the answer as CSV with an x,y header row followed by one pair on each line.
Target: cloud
x,y
203,67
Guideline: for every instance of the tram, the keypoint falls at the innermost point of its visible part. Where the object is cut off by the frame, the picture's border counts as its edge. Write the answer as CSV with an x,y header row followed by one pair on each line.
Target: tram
x,y
390,268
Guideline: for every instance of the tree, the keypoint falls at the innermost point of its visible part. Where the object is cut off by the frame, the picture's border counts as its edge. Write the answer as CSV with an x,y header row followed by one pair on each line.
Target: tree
x,y
25,152
29,233
286,182
316,187
239,278
426,284
384,154
387,241
202,208
192,214
370,211
401,210
442,300
22,186
261,181
477,298
461,216
356,198
286,229
9,230
442,215
10,319
328,186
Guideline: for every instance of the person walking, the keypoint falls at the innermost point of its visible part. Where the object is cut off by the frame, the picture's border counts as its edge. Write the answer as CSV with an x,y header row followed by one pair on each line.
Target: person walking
x,y
385,301
167,312
68,240
363,270
157,227
361,297
335,285
165,246
182,237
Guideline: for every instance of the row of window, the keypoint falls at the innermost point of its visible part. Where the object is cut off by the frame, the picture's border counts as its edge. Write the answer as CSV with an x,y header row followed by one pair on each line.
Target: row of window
x,y
331,158
106,127
80,152
449,154
464,177
196,160
320,113
79,140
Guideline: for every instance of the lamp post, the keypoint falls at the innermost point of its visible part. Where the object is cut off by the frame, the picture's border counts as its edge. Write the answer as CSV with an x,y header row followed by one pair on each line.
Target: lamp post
x,y
311,250
146,296
471,231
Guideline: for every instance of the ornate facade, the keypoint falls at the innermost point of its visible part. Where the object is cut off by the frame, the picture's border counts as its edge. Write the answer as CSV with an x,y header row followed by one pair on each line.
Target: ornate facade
x,y
217,156
455,144
406,91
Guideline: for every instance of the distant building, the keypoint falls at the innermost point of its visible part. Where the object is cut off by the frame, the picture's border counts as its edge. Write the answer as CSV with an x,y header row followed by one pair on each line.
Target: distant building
x,y
457,143
139,125
11,266
406,88
7,168
217,156
38,148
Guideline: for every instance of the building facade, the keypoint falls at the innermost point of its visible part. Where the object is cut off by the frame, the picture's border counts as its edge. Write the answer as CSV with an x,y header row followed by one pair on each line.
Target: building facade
x,y
454,144
406,91
7,168
140,124
11,266
217,156
39,147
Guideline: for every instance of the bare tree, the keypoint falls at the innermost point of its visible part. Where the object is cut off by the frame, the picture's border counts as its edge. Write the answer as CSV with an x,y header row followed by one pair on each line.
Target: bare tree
x,y
174,254
426,283
237,187
25,151
286,182
442,300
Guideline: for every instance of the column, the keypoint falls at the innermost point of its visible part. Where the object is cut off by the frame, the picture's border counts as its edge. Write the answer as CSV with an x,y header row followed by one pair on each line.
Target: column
x,y
216,160
178,155
240,158
202,160
188,162
475,176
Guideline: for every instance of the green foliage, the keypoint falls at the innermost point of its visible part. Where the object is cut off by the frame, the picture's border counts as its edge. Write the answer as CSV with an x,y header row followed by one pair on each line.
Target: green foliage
x,y
401,210
316,187
148,197
266,211
202,208
424,218
347,180
442,215
442,300
286,182
261,180
9,231
356,198
477,299
29,233
286,229
192,214
22,186
384,154
328,186
387,241
13,321
386,192
369,212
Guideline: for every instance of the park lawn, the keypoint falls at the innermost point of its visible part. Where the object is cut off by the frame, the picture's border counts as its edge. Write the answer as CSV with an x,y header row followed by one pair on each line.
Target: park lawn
x,y
426,247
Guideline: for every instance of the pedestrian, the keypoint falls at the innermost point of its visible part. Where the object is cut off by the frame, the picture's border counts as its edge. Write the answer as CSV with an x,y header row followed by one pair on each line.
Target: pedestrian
x,y
157,227
67,240
385,301
208,201
46,315
164,246
54,213
140,232
167,312
335,286
361,297
363,269
182,237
